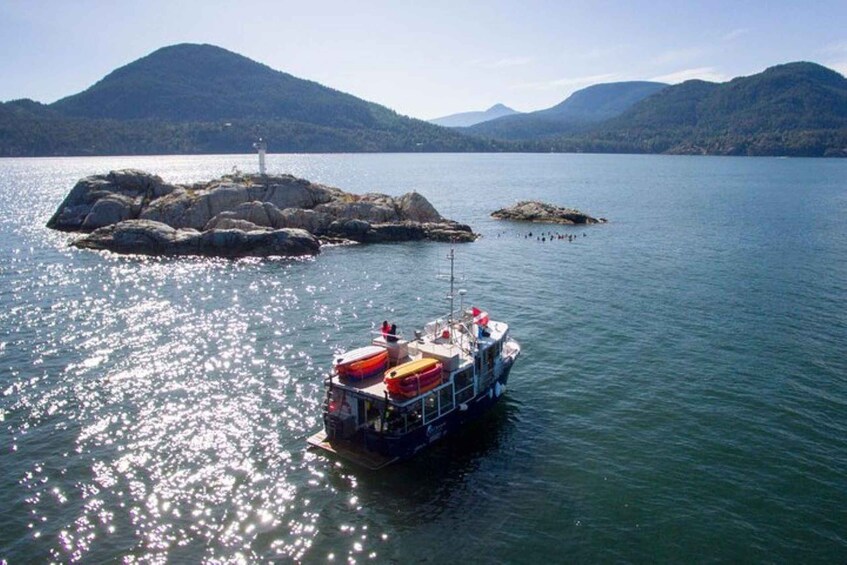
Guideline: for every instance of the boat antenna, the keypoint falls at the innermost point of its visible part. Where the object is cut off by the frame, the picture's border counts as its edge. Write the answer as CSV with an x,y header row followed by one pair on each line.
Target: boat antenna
x,y
452,295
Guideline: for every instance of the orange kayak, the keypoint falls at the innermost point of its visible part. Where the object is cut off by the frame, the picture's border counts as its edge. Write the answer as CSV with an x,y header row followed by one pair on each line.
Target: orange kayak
x,y
414,378
359,354
411,368
361,364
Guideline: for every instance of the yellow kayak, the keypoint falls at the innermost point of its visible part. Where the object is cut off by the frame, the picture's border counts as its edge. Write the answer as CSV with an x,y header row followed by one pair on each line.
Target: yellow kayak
x,y
410,368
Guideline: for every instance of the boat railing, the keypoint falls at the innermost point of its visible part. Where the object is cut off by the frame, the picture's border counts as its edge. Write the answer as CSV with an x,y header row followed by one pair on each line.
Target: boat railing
x,y
470,344
438,402
378,333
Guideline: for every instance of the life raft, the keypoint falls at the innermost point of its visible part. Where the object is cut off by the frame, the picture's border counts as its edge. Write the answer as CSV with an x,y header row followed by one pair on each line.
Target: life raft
x,y
414,378
362,363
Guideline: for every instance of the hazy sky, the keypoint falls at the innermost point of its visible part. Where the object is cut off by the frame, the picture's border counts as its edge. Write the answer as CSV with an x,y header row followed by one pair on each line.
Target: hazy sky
x,y
428,58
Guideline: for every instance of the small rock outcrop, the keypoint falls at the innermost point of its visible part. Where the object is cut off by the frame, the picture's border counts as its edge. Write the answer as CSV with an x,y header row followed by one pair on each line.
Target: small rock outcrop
x,y
541,212
132,211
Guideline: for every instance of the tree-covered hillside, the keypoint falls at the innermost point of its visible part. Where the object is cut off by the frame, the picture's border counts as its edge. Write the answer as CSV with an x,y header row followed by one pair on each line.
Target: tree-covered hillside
x,y
793,109
577,113
187,99
204,99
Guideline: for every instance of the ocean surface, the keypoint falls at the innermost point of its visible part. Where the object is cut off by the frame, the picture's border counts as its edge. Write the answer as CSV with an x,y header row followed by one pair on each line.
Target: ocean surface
x,y
681,396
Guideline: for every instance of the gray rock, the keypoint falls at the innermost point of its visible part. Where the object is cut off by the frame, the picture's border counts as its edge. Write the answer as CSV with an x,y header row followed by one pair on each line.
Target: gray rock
x,y
287,191
127,191
235,214
416,208
373,212
146,237
194,208
355,230
541,212
169,209
111,209
198,205
449,232
258,213
233,224
309,220
364,232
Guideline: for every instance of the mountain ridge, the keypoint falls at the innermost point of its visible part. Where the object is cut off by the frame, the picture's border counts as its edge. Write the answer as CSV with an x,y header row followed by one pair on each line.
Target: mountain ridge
x,y
190,99
214,84
586,106
791,109
200,98
466,119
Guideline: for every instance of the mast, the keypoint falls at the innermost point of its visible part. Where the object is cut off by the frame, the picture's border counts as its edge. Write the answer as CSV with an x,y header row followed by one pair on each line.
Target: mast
x,y
451,296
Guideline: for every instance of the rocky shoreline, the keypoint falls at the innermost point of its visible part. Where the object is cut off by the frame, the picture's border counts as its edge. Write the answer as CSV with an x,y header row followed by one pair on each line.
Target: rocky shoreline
x,y
542,212
130,211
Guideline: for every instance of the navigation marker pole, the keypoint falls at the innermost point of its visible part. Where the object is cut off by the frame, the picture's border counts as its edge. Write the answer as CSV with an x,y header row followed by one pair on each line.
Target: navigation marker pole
x,y
262,147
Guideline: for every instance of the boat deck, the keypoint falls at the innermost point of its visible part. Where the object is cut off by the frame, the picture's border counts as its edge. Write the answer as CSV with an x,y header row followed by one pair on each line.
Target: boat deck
x,y
372,386
452,350
351,452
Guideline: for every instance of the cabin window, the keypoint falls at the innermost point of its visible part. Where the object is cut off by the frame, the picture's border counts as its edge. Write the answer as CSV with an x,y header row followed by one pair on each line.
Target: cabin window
x,y
360,411
446,399
373,415
464,395
414,418
463,379
395,421
463,385
489,358
430,403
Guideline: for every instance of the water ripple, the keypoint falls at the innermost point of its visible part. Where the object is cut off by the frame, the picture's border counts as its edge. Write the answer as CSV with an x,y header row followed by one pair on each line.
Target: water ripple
x,y
681,392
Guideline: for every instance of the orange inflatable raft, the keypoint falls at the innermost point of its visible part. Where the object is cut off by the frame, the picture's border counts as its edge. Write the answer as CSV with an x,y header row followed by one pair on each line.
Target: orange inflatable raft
x,y
362,363
414,378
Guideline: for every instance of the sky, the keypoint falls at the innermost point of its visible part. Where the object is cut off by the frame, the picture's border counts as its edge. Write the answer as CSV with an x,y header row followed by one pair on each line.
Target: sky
x,y
430,58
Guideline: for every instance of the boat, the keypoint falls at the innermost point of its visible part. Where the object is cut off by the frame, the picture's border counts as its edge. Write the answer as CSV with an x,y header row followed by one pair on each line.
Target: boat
x,y
432,386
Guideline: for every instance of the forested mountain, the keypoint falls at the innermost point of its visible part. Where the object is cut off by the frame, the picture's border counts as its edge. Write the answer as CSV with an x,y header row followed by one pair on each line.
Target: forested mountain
x,y
465,119
577,113
791,109
188,99
204,99
203,83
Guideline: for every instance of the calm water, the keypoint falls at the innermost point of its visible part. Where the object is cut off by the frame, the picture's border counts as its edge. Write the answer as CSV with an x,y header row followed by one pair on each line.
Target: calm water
x,y
682,395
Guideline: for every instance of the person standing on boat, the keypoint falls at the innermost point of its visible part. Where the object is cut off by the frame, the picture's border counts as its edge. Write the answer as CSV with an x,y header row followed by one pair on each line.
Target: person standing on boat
x,y
386,329
392,335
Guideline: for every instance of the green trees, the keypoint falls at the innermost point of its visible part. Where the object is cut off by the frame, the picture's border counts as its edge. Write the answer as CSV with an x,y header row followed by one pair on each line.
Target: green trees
x,y
204,99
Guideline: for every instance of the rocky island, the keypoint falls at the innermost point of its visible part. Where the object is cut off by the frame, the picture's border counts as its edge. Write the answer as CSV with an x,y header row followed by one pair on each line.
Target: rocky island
x,y
130,211
541,212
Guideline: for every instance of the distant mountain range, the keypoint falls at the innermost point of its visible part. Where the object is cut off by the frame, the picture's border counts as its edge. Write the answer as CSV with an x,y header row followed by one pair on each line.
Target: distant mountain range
x,y
189,98
582,108
466,119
